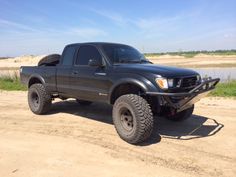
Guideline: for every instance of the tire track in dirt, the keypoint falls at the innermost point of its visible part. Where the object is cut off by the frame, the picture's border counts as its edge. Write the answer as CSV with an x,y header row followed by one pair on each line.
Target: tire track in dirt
x,y
88,135
76,123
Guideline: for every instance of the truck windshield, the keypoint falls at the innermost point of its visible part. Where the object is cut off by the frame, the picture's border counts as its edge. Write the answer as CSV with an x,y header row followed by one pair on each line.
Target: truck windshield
x,y
118,53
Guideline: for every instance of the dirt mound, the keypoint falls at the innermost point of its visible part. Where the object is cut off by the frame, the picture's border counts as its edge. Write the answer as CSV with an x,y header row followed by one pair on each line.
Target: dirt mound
x,y
26,60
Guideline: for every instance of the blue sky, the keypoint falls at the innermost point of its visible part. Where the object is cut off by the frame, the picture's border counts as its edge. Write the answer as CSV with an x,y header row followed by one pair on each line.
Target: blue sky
x,y
45,26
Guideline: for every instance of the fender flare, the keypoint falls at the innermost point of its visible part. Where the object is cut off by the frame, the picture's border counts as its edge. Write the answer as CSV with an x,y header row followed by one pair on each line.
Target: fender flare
x,y
133,81
36,76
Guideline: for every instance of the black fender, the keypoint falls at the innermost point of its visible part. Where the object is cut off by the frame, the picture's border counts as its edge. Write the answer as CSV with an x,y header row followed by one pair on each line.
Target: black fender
x,y
140,82
36,76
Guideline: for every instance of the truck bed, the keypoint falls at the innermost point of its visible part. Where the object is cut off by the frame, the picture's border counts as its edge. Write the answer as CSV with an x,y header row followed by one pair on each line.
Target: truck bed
x,y
47,74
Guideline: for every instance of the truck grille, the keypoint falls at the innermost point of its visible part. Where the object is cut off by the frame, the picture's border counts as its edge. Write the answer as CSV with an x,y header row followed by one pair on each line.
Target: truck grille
x,y
189,82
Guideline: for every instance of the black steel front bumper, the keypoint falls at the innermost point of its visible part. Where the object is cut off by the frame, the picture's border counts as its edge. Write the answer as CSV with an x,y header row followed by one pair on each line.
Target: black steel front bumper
x,y
187,99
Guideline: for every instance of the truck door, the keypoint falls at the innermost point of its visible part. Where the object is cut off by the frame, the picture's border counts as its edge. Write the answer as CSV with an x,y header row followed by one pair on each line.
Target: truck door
x,y
89,82
64,70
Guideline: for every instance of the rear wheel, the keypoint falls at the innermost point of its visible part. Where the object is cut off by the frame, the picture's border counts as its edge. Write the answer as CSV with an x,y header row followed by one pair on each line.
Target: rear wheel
x,y
180,116
39,99
133,119
83,102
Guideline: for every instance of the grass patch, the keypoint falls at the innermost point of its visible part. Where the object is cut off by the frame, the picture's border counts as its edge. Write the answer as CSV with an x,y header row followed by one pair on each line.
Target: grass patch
x,y
227,89
10,84
188,55
191,54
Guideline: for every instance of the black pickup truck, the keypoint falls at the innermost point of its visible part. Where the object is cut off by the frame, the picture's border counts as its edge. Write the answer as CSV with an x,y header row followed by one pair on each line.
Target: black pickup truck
x,y
116,74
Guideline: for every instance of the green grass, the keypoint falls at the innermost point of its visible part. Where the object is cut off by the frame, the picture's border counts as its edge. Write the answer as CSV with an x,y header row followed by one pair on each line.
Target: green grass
x,y
191,54
10,84
188,55
227,89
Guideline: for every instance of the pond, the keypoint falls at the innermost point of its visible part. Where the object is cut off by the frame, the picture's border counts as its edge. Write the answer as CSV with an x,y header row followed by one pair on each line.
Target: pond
x,y
225,74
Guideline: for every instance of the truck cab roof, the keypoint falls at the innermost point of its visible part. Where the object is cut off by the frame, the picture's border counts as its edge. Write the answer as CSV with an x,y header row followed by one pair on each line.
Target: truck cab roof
x,y
94,43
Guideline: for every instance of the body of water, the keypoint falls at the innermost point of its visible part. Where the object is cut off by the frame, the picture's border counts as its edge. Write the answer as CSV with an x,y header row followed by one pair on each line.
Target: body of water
x,y
225,74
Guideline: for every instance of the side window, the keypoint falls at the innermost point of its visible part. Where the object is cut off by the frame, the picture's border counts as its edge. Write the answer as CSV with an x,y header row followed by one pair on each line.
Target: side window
x,y
68,56
86,53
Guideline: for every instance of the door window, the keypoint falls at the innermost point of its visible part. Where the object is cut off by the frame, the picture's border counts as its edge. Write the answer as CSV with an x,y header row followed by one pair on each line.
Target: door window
x,y
68,56
86,53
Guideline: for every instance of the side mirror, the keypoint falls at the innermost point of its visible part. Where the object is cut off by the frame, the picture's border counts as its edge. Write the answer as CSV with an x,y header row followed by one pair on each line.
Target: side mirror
x,y
95,62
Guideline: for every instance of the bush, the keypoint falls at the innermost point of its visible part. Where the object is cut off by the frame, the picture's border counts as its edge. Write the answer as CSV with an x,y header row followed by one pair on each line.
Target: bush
x,y
227,89
11,83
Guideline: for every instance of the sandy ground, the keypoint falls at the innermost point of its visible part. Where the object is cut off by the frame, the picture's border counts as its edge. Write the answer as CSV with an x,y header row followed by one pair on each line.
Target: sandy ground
x,y
10,67
81,141
199,60
17,62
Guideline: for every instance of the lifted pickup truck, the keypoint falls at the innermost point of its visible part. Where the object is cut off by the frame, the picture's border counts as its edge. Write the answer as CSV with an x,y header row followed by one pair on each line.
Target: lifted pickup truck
x,y
116,74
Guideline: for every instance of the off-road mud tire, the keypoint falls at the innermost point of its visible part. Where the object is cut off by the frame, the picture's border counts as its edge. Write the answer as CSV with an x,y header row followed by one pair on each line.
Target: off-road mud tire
x,y
39,99
142,118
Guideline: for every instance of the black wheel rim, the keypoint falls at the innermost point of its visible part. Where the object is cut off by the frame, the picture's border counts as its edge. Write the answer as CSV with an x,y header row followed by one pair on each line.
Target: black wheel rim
x,y
35,99
126,119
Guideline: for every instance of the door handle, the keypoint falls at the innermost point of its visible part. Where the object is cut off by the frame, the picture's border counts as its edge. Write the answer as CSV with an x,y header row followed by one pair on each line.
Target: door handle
x,y
101,74
75,72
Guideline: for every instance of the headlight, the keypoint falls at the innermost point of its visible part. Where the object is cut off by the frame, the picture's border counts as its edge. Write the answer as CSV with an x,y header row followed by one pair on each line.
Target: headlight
x,y
162,83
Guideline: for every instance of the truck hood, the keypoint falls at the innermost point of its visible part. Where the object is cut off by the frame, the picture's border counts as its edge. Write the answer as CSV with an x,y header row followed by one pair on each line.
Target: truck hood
x,y
164,71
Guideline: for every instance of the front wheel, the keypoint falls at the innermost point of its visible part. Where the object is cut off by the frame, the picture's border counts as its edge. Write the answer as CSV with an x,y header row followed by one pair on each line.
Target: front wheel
x,y
133,119
180,116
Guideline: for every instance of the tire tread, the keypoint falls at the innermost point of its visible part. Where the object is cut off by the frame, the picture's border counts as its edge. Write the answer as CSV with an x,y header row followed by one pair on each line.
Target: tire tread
x,y
144,117
45,99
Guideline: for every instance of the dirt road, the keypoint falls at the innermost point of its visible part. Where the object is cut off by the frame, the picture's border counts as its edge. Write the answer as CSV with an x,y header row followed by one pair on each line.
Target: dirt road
x,y
81,141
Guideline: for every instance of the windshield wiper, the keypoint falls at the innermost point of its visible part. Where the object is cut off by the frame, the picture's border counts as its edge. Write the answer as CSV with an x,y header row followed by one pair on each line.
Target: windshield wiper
x,y
133,61
144,61
129,61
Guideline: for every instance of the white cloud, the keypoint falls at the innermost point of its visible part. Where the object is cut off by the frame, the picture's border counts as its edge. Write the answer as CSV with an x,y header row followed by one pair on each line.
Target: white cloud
x,y
149,23
24,30
14,25
148,27
116,18
87,32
